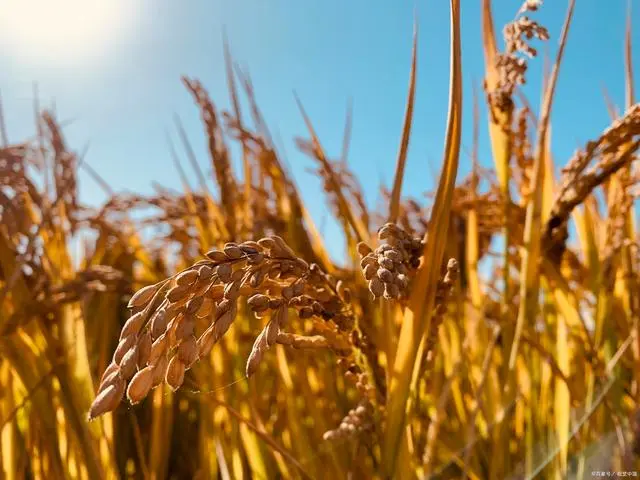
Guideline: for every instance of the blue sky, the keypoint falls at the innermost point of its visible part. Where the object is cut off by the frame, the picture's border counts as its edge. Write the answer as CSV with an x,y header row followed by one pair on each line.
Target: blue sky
x,y
122,94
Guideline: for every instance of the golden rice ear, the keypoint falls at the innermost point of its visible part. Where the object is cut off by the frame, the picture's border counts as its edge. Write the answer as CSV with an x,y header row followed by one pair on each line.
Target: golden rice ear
x,y
218,154
162,341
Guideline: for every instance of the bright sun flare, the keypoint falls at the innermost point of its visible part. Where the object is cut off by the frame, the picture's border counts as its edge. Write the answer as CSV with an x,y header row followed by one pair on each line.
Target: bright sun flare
x,y
62,30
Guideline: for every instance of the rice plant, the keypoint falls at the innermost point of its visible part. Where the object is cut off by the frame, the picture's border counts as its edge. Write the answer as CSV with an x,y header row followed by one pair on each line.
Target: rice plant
x,y
229,344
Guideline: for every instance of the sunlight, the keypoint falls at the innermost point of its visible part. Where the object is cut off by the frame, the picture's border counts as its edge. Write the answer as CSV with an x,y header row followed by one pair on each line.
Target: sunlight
x,y
69,31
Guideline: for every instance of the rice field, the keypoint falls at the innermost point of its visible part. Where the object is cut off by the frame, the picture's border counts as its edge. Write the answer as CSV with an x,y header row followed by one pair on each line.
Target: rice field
x,y
229,343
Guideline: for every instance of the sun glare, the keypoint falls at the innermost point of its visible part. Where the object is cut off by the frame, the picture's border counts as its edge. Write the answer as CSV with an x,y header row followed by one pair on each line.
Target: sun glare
x,y
62,30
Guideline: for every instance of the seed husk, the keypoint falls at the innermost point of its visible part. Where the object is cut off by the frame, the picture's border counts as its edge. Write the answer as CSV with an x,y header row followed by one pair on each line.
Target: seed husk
x,y
205,272
140,385
256,354
363,249
159,323
160,370
107,400
113,367
175,373
193,305
144,348
255,258
376,287
188,277
224,272
271,332
267,243
129,363
232,290
158,348
111,379
185,327
188,351
385,275
133,325
216,256
177,293
283,248
123,347
206,342
223,307
232,251
258,302
143,296
251,244
256,278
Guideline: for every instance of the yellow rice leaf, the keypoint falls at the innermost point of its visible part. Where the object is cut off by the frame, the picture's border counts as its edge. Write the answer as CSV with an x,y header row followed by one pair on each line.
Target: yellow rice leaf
x,y
584,221
562,401
300,440
252,450
529,284
500,138
628,64
472,238
549,181
394,207
24,364
418,313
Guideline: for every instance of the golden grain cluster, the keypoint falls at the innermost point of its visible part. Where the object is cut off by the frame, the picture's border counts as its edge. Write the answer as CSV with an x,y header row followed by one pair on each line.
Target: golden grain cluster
x,y
228,344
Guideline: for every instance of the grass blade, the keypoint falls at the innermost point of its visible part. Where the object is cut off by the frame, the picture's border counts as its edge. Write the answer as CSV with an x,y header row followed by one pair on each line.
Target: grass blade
x,y
394,207
628,63
417,315
529,271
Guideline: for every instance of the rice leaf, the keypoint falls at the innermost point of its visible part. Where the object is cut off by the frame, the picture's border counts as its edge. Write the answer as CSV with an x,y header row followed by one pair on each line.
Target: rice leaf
x,y
421,301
